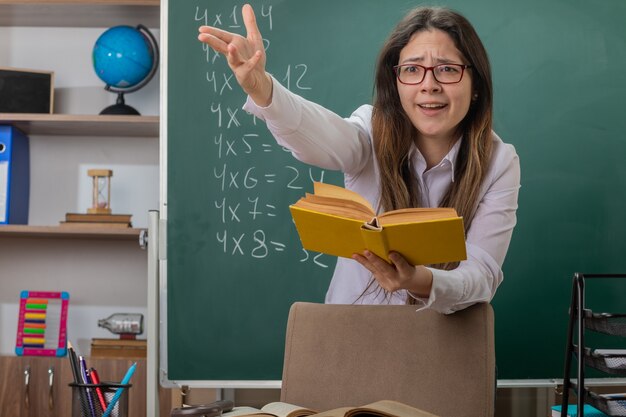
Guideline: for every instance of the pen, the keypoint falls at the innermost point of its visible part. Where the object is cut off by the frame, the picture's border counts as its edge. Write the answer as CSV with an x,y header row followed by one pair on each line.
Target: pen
x,y
119,391
71,353
86,380
96,380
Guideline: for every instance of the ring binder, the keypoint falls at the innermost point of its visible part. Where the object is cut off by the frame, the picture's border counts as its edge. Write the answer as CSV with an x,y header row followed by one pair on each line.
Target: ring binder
x,y
14,176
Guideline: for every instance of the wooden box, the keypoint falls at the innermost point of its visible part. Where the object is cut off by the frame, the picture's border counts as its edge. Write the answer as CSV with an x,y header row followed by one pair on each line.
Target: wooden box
x,y
118,348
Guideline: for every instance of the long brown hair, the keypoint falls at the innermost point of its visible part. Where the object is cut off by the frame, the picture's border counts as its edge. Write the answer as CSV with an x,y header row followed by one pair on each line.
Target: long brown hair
x,y
394,133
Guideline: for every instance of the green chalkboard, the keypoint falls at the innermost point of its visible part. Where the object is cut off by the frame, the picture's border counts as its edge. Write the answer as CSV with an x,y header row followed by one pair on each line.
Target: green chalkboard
x,y
234,262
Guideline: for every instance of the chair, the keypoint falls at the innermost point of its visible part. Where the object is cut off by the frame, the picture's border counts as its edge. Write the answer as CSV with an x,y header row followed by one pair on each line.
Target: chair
x,y
350,355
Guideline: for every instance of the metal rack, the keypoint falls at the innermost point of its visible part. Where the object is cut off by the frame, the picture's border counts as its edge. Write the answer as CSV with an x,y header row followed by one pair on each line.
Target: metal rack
x,y
607,361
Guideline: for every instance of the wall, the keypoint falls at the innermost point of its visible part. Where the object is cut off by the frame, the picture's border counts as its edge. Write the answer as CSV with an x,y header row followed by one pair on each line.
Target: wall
x,y
102,277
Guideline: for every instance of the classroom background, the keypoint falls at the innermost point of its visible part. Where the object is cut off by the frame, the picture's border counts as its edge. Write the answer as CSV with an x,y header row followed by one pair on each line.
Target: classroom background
x,y
574,97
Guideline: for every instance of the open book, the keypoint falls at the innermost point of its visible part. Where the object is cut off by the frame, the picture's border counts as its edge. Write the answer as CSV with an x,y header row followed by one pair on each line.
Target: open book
x,y
384,408
341,222
275,409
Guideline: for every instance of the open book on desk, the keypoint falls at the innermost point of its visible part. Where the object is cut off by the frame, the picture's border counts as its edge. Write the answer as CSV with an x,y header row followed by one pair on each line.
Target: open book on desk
x,y
275,409
384,408
340,222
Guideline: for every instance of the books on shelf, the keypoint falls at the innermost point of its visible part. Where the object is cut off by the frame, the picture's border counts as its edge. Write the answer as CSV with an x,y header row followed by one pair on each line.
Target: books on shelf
x,y
96,224
89,217
89,220
572,411
340,222
384,408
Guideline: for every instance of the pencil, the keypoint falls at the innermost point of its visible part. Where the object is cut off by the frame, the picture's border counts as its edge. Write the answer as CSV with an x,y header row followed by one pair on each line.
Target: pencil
x,y
71,354
78,380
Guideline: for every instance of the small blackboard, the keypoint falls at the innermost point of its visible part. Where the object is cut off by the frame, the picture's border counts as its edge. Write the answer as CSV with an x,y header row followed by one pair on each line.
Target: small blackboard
x,y
26,91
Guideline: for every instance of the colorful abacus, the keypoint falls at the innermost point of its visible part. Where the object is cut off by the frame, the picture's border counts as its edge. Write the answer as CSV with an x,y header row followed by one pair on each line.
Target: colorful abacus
x,y
42,323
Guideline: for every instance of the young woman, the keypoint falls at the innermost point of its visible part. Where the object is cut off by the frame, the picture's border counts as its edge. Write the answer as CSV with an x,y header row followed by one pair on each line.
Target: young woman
x,y
426,142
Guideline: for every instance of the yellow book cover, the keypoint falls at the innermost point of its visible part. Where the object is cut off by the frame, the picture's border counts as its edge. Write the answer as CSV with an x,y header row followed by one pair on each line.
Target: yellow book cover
x,y
340,222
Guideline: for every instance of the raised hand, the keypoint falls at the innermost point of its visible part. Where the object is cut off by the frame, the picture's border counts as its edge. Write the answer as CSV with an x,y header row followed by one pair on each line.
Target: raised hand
x,y
245,56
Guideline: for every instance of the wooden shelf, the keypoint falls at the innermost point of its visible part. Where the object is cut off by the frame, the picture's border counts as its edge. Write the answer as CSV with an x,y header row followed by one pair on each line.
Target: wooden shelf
x,y
79,13
83,125
58,232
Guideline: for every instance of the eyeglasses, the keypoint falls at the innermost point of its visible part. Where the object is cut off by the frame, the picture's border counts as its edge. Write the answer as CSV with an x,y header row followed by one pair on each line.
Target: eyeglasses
x,y
444,73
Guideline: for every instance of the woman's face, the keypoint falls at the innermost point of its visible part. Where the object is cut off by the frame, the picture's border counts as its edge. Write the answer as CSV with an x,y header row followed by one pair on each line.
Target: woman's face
x,y
435,109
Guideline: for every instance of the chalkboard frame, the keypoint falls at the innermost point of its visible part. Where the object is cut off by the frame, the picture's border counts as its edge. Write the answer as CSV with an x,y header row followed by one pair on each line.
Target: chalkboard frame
x,y
581,246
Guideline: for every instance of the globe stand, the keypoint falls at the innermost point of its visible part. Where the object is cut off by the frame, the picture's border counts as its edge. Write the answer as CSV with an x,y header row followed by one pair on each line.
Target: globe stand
x,y
120,107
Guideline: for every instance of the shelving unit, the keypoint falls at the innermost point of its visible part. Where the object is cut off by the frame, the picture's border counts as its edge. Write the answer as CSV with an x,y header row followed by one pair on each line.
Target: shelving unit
x,y
83,125
59,232
611,362
93,263
79,13
78,125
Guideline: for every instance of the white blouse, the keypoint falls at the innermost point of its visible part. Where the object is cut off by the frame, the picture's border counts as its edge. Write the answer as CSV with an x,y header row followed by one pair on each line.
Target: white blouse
x,y
320,137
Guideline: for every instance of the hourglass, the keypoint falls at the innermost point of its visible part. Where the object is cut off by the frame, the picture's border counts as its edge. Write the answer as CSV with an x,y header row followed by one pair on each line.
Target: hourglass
x,y
101,197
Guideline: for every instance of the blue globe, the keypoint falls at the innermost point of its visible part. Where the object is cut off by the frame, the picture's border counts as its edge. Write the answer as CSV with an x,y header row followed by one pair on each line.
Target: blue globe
x,y
122,57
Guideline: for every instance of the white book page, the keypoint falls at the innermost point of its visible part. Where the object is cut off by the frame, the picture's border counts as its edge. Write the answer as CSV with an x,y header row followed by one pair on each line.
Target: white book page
x,y
241,411
283,409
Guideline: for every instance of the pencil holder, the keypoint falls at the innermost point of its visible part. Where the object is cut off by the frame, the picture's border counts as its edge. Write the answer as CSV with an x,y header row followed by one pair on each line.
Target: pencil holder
x,y
92,400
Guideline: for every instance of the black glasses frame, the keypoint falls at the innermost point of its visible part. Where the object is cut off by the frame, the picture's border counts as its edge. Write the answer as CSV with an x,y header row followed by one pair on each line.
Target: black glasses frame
x,y
463,67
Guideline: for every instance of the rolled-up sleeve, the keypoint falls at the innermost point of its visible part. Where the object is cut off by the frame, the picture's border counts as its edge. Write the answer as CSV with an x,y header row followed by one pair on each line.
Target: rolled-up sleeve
x,y
314,134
